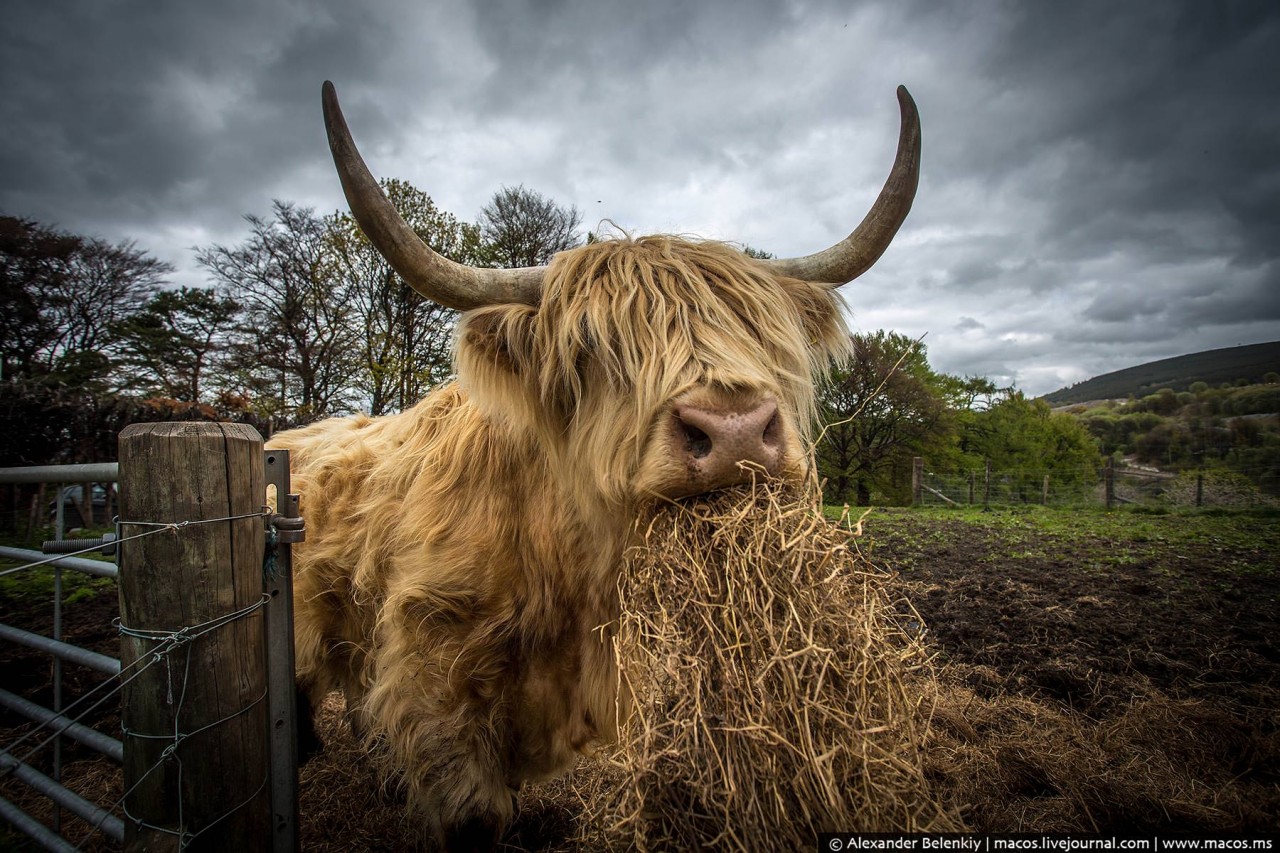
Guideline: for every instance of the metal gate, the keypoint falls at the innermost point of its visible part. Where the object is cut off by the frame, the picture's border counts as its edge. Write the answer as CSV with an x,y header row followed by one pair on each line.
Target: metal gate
x,y
60,721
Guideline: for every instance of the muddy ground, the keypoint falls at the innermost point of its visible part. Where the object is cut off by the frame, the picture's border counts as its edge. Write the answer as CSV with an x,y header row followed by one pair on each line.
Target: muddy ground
x,y
1119,674
1084,680
1091,622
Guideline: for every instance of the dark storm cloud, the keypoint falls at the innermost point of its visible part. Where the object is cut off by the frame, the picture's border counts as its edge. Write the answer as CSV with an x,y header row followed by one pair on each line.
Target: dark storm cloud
x,y
1188,305
1099,178
1163,114
1112,170
143,110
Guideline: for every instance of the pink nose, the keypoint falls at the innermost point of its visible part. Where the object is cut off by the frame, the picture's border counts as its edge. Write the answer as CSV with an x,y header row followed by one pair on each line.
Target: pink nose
x,y
712,443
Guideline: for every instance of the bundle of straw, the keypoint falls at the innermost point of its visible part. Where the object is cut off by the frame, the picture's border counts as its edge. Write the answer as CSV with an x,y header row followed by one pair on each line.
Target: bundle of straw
x,y
765,670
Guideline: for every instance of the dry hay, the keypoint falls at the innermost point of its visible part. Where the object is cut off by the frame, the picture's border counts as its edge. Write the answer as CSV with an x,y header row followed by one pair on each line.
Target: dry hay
x,y
765,668
1013,763
734,706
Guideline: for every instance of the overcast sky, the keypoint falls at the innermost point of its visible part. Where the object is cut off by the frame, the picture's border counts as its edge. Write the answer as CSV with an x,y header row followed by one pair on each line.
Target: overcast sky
x,y
1100,184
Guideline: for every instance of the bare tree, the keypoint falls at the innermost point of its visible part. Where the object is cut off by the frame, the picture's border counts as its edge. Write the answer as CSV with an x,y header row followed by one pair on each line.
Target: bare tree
x,y
523,228
104,283
62,294
404,341
295,355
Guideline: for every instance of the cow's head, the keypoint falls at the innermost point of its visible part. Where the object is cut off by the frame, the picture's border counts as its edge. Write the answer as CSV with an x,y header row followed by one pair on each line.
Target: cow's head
x,y
649,366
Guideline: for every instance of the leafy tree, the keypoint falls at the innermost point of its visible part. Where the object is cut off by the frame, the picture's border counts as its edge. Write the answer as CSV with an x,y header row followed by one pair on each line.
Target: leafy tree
x,y
62,293
523,228
168,348
888,405
970,393
878,411
32,259
403,340
1025,440
295,351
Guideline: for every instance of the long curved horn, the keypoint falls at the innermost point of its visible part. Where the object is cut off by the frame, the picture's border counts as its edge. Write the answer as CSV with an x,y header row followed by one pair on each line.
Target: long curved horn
x,y
441,280
855,254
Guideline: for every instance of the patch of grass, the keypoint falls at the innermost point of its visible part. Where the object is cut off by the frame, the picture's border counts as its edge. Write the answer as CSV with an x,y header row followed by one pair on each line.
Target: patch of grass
x,y
38,582
1241,529
1095,539
40,534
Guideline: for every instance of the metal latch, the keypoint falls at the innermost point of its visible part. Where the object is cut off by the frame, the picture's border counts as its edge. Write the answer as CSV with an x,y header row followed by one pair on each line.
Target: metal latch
x,y
289,527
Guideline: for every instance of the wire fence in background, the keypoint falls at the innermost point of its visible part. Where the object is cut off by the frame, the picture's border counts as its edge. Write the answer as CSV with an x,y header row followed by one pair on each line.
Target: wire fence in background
x,y
1109,485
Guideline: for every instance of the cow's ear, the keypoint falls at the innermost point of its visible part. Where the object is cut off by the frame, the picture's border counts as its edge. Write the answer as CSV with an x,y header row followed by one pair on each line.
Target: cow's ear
x,y
822,312
497,362
495,338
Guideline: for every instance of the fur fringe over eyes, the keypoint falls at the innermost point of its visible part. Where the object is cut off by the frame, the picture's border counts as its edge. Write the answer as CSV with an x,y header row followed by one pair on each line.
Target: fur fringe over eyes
x,y
648,318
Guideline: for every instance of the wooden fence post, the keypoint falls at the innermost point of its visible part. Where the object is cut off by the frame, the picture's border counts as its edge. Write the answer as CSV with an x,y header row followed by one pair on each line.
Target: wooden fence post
x,y
210,689
986,485
1109,483
1044,493
917,479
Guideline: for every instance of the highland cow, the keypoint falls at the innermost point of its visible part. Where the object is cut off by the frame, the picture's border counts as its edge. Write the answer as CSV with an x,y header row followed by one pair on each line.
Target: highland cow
x,y
459,579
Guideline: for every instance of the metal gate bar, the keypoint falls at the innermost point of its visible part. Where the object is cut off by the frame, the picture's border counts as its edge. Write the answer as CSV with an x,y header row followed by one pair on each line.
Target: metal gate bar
x,y
34,829
110,825
79,564
65,651
92,738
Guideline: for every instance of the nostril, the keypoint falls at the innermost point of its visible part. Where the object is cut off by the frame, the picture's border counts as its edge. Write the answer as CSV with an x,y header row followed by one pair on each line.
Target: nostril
x,y
697,442
771,429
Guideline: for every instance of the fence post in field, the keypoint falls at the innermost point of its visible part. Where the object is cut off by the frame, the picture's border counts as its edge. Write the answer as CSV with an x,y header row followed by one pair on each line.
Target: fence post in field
x,y
1109,482
1044,493
917,479
972,477
196,715
986,485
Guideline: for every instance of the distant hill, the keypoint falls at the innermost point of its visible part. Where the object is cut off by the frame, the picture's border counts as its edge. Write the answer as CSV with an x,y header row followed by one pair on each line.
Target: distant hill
x,y
1213,366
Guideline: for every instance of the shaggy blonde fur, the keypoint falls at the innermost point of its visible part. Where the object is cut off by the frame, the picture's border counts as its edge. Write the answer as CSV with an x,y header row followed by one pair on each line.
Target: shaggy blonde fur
x,y
459,579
